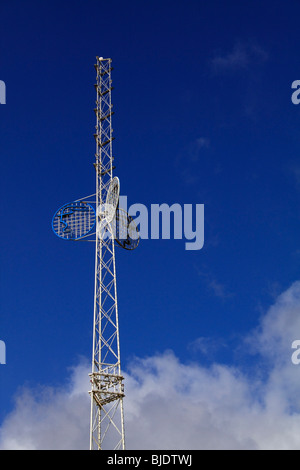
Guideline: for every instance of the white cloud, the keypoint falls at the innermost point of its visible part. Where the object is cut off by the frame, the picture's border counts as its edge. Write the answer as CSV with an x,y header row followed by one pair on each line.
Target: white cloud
x,y
171,405
50,418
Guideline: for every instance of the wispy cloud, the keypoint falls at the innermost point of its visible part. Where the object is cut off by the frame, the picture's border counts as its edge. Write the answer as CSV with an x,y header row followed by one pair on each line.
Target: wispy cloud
x,y
244,64
242,56
206,346
171,405
196,147
189,157
294,169
217,288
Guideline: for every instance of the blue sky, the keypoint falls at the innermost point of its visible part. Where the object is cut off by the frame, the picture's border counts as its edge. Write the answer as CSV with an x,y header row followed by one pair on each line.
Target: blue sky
x,y
203,115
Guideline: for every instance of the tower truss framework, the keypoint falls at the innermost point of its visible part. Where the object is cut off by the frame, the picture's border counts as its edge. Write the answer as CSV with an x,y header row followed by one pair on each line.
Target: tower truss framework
x,y
107,389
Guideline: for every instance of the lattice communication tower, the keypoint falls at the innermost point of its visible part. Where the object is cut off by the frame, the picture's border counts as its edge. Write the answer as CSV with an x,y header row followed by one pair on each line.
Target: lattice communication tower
x,y
105,224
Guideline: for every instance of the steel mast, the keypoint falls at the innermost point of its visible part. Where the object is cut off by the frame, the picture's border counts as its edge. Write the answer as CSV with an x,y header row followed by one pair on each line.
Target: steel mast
x,y
107,389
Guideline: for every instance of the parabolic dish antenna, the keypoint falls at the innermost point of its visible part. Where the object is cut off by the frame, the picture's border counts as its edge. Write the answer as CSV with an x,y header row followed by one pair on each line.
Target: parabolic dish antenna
x,y
74,220
112,199
106,212
125,230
